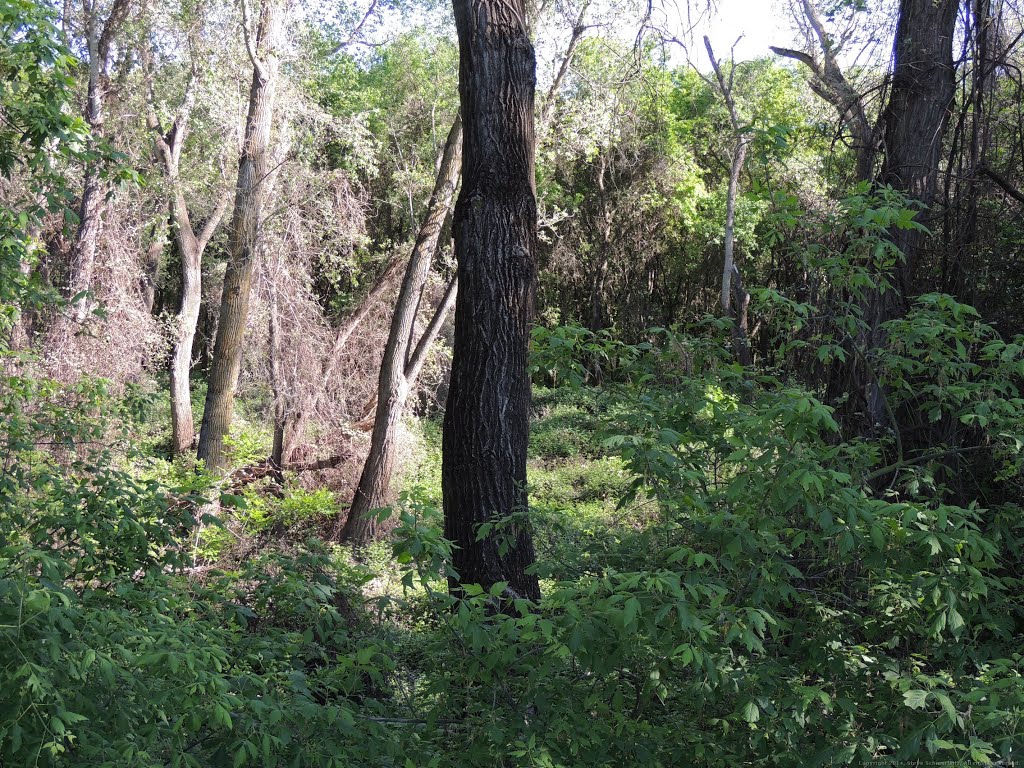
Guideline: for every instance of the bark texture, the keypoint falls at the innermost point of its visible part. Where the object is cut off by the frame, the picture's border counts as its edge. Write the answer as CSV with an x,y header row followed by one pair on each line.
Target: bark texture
x,y
486,418
394,386
917,113
250,192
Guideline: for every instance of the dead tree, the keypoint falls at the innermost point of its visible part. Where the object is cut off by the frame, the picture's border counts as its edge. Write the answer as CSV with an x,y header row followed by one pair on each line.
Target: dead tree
x,y
394,386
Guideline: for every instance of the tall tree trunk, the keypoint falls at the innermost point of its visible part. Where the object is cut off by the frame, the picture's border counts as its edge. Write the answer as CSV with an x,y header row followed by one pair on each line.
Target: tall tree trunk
x,y
917,113
169,144
99,38
393,385
90,212
737,312
253,169
486,418
914,126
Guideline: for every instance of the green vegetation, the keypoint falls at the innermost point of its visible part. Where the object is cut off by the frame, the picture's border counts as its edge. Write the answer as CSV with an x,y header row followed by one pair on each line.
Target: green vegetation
x,y
816,559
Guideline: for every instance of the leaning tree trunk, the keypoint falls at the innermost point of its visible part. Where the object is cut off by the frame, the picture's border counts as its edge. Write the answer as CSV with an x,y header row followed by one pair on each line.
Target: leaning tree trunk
x,y
253,169
393,387
486,418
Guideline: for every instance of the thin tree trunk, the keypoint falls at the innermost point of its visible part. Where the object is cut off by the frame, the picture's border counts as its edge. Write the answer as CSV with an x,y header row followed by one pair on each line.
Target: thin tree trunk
x,y
495,225
433,329
99,38
90,213
393,386
419,354
253,169
548,105
276,382
729,268
829,82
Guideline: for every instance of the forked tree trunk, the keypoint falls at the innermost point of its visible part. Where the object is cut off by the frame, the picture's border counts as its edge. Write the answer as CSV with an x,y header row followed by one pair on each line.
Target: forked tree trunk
x,y
393,385
486,418
169,144
192,248
253,169
415,362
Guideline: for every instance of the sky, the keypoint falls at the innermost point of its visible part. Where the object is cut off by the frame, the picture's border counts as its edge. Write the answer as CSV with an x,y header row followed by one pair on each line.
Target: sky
x,y
755,24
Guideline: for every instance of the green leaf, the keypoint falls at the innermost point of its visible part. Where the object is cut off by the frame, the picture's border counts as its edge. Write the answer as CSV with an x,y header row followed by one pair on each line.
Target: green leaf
x,y
915,699
630,611
751,712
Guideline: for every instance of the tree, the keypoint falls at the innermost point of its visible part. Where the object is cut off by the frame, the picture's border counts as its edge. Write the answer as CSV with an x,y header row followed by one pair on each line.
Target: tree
x,y
250,195
828,81
913,126
734,298
916,116
99,35
486,417
394,383
169,141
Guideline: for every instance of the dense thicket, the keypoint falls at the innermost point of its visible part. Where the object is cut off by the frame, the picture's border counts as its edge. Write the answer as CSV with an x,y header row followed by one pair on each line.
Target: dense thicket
x,y
719,461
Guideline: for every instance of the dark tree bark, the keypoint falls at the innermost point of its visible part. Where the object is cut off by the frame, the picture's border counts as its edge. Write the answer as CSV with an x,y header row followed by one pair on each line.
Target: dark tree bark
x,y
394,386
917,113
250,194
914,125
486,418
